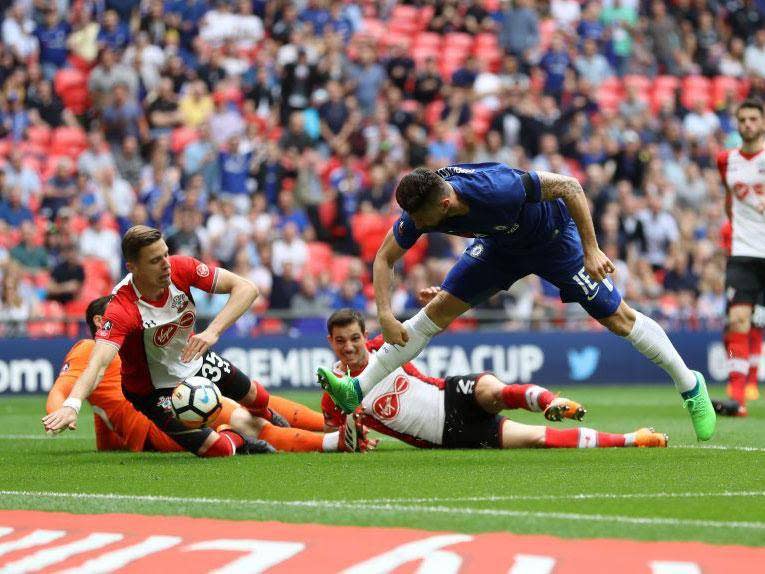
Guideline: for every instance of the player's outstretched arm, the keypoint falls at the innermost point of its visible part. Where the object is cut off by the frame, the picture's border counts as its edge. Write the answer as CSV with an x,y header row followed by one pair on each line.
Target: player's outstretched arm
x,y
243,293
66,416
557,186
382,278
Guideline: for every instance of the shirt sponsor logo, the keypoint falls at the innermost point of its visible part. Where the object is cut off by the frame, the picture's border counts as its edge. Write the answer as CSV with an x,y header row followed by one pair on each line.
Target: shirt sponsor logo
x,y
386,407
164,334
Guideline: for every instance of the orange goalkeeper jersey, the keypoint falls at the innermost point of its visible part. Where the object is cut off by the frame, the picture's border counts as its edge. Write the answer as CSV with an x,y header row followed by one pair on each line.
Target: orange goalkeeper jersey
x,y
109,404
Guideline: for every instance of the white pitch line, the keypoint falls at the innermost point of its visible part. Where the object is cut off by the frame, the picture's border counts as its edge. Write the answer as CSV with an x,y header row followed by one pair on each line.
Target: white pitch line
x,y
43,437
407,509
581,496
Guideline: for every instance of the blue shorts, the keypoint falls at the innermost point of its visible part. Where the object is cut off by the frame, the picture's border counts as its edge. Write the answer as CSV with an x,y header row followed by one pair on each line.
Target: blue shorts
x,y
486,267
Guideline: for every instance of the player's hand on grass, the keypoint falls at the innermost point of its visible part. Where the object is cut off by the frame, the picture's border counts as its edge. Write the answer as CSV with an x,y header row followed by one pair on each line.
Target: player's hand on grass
x,y
393,330
426,295
60,420
197,345
597,265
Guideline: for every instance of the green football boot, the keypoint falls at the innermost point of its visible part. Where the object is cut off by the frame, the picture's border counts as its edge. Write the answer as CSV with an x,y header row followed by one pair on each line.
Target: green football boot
x,y
701,410
345,391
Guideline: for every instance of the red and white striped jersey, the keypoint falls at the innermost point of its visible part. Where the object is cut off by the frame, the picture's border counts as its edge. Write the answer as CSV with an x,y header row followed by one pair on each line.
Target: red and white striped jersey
x,y
744,175
406,405
151,335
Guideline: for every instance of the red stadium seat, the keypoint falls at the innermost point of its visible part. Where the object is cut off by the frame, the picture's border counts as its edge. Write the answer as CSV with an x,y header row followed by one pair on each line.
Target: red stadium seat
x,y
433,112
181,137
369,230
722,86
458,40
666,83
490,54
405,12
340,267
39,135
67,79
50,322
319,258
373,27
430,39
420,54
640,83
408,27
693,89
396,39
68,141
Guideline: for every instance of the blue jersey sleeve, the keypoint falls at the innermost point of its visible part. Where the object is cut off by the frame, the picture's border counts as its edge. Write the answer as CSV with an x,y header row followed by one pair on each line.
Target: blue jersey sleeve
x,y
405,232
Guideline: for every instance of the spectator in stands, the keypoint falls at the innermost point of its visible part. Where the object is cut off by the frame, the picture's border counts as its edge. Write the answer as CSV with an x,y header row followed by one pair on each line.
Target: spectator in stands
x,y
184,238
99,240
17,304
285,287
128,160
289,249
754,55
520,28
28,253
47,109
67,276
350,295
591,65
96,156
113,33
51,37
61,189
12,208
18,32
21,176
122,117
162,111
660,230
107,75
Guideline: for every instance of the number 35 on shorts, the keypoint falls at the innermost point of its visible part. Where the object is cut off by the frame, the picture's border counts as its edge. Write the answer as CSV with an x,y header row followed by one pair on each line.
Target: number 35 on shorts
x,y
589,287
212,365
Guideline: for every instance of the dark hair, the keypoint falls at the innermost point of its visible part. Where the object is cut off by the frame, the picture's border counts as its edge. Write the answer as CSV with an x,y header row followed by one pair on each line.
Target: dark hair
x,y
345,317
136,238
96,307
418,188
753,104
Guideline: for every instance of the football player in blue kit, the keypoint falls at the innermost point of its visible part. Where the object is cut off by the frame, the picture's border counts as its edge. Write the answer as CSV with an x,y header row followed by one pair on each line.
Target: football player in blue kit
x,y
523,223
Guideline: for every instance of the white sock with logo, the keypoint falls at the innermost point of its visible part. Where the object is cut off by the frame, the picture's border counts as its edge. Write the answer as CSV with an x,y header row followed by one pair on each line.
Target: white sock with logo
x,y
649,338
390,357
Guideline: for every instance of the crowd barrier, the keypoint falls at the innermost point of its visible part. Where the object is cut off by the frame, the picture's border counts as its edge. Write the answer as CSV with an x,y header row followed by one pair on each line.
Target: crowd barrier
x,y
550,358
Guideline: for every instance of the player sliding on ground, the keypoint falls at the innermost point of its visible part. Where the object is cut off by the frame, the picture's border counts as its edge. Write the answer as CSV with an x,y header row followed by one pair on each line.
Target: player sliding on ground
x,y
119,426
150,322
460,411
524,223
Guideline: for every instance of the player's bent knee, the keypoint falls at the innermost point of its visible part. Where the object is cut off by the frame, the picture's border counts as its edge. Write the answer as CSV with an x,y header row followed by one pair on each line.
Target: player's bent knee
x,y
243,421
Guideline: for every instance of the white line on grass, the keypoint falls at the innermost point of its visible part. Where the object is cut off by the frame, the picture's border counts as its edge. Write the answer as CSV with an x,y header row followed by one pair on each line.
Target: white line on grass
x,y
580,496
721,447
406,509
43,437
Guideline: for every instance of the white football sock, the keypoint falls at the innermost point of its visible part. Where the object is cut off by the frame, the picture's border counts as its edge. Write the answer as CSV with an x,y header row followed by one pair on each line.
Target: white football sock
x,y
649,338
390,357
330,442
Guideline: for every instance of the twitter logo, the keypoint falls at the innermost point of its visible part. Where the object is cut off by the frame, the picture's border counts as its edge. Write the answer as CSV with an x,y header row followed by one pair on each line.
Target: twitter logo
x,y
582,364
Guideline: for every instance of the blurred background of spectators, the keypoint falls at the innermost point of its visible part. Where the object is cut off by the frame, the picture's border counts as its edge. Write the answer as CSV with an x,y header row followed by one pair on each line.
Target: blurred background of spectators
x,y
268,137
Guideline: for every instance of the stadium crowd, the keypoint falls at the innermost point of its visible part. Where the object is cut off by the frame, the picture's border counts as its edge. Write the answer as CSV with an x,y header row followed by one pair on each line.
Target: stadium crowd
x,y
268,137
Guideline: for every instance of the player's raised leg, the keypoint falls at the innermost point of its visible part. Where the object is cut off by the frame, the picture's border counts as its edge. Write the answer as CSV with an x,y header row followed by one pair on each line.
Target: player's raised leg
x,y
518,435
493,396
347,392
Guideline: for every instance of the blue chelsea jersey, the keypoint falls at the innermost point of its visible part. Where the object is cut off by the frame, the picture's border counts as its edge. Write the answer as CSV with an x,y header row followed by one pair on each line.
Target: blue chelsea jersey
x,y
505,207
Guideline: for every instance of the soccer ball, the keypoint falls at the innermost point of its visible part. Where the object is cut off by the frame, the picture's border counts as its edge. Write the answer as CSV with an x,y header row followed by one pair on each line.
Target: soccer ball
x,y
196,401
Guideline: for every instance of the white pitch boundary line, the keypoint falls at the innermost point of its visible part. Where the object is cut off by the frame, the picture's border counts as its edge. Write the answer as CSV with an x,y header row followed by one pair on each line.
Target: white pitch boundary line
x,y
581,496
354,506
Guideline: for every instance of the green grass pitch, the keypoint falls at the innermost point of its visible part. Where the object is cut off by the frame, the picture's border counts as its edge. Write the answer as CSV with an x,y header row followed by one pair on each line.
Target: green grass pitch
x,y
713,492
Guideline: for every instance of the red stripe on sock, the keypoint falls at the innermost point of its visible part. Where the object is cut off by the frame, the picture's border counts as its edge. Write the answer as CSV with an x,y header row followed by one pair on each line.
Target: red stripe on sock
x,y
606,439
226,445
755,350
561,438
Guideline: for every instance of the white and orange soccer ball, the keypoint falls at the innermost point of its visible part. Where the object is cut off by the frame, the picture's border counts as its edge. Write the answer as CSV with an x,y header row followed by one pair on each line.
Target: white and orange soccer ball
x,y
196,402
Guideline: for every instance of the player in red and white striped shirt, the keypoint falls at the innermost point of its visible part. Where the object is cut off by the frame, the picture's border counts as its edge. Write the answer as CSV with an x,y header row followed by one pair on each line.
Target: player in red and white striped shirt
x,y
458,411
150,322
743,174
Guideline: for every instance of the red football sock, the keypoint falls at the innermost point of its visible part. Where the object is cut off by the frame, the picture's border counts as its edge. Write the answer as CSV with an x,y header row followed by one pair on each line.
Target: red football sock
x,y
292,439
755,350
259,406
737,345
226,445
529,397
582,438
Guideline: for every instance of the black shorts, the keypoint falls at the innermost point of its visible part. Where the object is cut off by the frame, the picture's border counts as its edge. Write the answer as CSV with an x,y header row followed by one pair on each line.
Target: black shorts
x,y
158,408
466,424
744,280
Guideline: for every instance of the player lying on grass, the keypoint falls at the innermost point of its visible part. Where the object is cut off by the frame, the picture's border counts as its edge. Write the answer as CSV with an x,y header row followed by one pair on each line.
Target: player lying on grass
x,y
119,426
524,223
460,411
150,322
